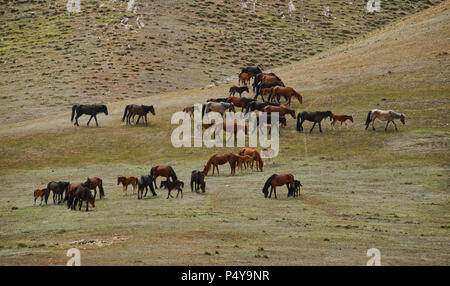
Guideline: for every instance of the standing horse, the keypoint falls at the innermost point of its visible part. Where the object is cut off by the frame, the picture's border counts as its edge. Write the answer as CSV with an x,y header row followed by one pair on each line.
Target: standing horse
x,y
220,159
43,193
287,92
244,78
282,110
240,90
93,183
275,181
163,171
145,182
254,70
240,101
258,105
295,191
384,115
266,78
127,181
197,181
255,154
341,118
91,110
178,185
220,107
315,117
220,99
58,189
82,194
70,197
141,110
245,160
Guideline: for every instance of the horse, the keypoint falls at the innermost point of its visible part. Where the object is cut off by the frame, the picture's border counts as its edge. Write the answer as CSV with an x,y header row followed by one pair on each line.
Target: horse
x,y
220,107
245,160
282,110
127,181
341,118
295,190
58,189
384,115
43,193
244,78
141,110
264,86
255,154
315,117
93,183
163,171
240,101
82,194
281,121
197,181
145,182
178,185
258,105
252,71
285,91
91,110
220,159
220,99
259,78
70,194
275,181
189,109
240,90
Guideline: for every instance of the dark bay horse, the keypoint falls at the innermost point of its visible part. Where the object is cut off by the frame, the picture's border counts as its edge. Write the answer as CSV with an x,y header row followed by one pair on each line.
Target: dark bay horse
x,y
91,110
315,117
145,182
240,101
258,105
163,171
176,185
82,194
265,80
278,180
93,183
197,181
238,89
58,188
141,110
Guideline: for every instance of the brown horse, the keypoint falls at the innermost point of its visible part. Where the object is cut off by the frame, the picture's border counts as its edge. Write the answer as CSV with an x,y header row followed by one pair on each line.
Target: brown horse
x,y
315,117
287,92
189,109
93,183
275,181
141,110
127,181
197,181
245,78
220,99
245,160
240,101
220,159
384,115
81,194
254,153
58,189
178,185
238,89
163,171
43,193
282,110
341,118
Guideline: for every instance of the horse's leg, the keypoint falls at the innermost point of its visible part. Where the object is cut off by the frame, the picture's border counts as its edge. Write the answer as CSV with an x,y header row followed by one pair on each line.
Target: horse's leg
x,y
95,192
146,122
385,129
76,120
87,206
373,124
395,125
96,122
146,190
139,118
312,127
90,120
320,127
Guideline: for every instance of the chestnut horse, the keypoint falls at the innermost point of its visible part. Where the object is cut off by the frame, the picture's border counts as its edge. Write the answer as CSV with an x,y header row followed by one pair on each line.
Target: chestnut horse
x,y
315,117
384,115
93,183
282,110
275,181
341,118
127,181
245,160
220,159
43,193
163,171
244,78
255,154
287,92
240,101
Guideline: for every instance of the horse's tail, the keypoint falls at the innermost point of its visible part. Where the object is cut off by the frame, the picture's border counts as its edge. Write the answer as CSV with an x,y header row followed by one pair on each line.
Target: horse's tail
x,y
299,128
102,192
203,110
207,166
173,175
153,179
260,161
368,118
74,107
125,113
267,184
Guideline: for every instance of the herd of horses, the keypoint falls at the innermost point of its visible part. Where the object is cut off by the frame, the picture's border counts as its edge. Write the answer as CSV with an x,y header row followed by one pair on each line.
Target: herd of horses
x,y
264,84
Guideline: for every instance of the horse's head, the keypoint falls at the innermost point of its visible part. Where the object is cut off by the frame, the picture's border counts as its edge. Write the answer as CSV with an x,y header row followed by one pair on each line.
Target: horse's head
x,y
265,192
104,109
402,118
329,114
299,97
119,179
91,199
151,109
351,118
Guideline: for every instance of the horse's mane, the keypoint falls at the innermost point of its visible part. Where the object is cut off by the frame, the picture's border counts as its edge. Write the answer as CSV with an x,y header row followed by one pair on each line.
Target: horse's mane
x,y
207,165
260,161
173,174
396,115
267,184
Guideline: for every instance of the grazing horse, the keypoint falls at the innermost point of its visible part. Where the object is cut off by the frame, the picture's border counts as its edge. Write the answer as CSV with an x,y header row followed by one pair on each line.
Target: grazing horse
x,y
141,110
91,110
220,159
220,107
43,193
240,90
58,189
384,115
258,105
341,118
178,185
285,91
163,171
145,182
127,181
220,99
278,180
315,117
282,110
245,160
240,101
93,183
255,154
82,194
197,181
244,78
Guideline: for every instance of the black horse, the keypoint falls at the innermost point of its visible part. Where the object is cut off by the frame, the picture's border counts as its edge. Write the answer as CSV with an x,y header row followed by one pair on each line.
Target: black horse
x,y
141,110
145,182
258,105
315,117
252,70
197,181
82,194
59,189
91,110
295,190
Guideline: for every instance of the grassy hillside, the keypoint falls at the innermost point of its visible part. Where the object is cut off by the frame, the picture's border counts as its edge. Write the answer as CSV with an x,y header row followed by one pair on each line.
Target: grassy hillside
x,y
51,59
362,189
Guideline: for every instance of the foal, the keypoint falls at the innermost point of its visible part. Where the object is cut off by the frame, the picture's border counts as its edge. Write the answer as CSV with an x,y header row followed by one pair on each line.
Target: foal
x,y
342,119
197,181
240,90
127,181
41,193
179,185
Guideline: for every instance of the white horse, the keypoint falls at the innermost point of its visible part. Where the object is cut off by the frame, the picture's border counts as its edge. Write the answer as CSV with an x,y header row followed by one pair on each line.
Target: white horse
x,y
384,115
